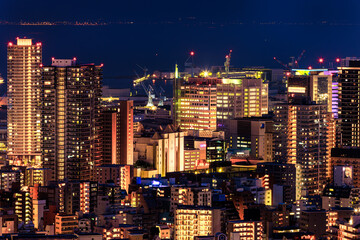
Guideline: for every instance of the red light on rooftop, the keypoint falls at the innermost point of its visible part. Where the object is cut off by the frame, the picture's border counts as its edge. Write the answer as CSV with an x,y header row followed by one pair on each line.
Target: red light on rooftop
x,y
52,58
101,65
192,53
337,60
288,74
10,44
230,50
74,59
310,67
38,44
41,65
321,60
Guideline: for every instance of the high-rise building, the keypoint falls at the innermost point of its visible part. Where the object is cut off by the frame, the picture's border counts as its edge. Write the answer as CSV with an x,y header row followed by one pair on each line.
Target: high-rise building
x,y
118,134
24,136
111,135
207,104
348,90
315,85
126,132
197,105
237,98
71,118
300,138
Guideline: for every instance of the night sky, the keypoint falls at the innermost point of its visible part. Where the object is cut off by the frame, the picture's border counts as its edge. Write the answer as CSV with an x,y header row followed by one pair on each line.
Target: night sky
x,y
166,31
345,11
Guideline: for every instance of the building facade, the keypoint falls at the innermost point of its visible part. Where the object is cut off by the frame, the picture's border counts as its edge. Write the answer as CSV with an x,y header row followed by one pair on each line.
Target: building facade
x,y
71,119
300,138
24,137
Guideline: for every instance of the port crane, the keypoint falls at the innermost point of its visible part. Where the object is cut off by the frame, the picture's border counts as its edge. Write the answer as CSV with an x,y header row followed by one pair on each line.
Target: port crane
x,y
162,97
145,77
150,93
294,63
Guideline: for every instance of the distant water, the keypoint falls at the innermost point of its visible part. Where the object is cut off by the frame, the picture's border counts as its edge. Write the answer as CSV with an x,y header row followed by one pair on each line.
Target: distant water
x,y
158,47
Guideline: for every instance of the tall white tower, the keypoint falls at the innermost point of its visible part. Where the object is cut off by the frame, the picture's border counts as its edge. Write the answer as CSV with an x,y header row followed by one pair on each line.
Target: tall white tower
x,y
24,136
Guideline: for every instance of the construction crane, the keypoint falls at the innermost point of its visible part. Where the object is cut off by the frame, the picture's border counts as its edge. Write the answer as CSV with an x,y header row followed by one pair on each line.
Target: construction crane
x,y
294,62
227,63
143,78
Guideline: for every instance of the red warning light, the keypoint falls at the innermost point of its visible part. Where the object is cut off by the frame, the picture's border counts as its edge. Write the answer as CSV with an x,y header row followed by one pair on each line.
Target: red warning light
x,y
288,74
337,60
41,65
310,67
321,60
10,44
74,59
192,53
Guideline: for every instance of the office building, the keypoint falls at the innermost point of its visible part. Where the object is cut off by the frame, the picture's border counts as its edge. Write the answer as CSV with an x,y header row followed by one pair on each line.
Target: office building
x,y
197,105
238,98
254,134
315,85
300,138
23,117
191,158
71,119
207,104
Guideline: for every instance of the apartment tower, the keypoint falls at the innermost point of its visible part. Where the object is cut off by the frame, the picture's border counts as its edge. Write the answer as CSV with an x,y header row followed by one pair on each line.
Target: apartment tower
x,y
24,137
71,119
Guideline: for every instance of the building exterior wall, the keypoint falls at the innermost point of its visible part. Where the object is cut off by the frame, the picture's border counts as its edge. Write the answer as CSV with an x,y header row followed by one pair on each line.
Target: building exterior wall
x,y
23,117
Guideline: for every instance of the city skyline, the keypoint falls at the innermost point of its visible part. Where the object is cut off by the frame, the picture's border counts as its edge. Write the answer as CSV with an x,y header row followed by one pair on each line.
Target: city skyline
x,y
191,120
